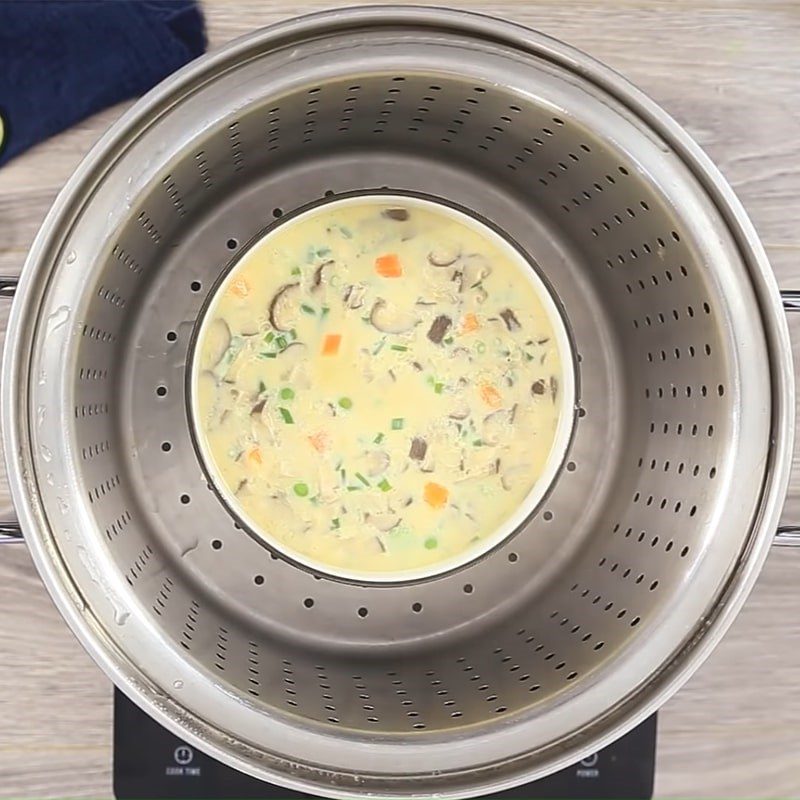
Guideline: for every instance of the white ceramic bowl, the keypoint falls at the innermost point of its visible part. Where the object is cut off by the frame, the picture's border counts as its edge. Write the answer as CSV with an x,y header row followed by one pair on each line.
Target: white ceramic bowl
x,y
527,271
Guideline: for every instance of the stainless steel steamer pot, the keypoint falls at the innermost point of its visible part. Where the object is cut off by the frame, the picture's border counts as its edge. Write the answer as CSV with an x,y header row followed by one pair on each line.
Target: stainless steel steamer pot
x,y
571,631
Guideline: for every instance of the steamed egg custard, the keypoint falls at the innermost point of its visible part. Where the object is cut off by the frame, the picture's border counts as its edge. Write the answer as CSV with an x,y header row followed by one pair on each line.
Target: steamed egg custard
x,y
377,386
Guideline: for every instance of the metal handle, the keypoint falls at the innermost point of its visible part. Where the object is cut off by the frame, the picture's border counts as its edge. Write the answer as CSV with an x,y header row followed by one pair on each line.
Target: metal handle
x,y
10,530
789,535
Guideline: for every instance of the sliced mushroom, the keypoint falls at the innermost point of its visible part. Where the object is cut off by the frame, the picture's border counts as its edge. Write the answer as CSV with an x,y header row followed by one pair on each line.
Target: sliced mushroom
x,y
290,357
418,449
283,308
481,295
496,424
474,268
322,276
553,387
387,318
510,319
439,328
513,477
538,387
382,521
376,462
256,410
477,469
444,255
354,294
459,412
217,341
397,214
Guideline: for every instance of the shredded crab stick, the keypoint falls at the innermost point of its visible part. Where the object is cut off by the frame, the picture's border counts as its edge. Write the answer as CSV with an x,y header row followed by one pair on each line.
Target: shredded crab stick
x,y
319,441
240,287
388,266
377,386
490,395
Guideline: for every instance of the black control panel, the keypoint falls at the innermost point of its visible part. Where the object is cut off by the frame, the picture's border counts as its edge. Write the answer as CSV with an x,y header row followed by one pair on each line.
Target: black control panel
x,y
152,764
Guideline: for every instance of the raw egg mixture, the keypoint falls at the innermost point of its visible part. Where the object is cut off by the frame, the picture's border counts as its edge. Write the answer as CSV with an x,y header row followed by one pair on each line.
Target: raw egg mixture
x,y
377,385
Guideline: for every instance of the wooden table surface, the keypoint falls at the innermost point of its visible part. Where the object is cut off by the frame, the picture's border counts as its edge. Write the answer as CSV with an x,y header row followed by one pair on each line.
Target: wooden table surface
x,y
730,73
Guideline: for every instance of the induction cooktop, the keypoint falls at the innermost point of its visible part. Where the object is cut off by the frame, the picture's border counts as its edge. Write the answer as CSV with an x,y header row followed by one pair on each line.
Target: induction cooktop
x,y
150,763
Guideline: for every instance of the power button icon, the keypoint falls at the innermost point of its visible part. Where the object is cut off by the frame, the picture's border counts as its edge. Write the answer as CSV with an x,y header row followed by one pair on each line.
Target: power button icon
x,y
590,761
183,755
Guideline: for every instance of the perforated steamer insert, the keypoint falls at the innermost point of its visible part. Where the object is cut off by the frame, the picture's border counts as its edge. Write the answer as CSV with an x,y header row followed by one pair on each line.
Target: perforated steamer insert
x,y
559,639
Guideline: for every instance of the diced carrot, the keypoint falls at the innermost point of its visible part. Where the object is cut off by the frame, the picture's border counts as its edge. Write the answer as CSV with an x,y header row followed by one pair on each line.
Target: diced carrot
x,y
435,495
330,344
319,441
469,323
240,287
254,457
388,266
490,395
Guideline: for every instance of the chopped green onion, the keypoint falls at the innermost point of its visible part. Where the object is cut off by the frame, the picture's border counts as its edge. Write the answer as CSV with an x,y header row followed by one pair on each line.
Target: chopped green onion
x,y
378,439
528,357
480,347
307,309
262,387
378,347
335,523
448,340
296,271
476,285
281,342
287,393
400,347
325,310
301,489
293,333
431,543
343,474
345,232
269,355
362,479
437,387
384,485
345,402
287,415
353,488
397,424
269,337
477,443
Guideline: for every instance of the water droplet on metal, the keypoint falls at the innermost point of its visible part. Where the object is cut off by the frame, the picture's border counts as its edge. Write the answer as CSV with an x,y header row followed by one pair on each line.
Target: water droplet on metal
x,y
49,479
57,320
63,505
40,415
177,684
42,378
71,256
47,453
121,616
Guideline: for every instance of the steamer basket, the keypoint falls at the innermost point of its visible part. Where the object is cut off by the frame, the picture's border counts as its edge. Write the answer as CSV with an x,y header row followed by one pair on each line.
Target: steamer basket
x,y
558,640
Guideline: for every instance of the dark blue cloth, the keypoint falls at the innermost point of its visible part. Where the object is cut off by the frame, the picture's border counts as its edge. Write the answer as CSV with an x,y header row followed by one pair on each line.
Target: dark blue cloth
x,y
62,60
